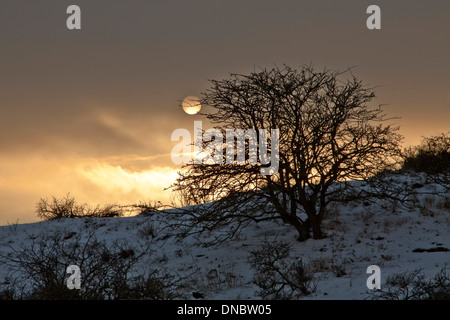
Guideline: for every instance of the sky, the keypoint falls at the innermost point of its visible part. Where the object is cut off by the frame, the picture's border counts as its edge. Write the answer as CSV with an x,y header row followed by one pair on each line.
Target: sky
x,y
90,112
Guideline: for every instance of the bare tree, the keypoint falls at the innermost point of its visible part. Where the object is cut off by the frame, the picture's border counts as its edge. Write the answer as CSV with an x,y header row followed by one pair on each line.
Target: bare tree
x,y
328,136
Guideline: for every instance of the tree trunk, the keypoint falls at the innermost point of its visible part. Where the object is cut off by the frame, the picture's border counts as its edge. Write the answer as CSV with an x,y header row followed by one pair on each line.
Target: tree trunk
x,y
302,228
303,233
316,227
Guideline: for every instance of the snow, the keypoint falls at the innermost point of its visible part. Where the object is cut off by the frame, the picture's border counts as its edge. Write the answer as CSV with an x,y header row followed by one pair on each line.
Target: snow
x,y
358,235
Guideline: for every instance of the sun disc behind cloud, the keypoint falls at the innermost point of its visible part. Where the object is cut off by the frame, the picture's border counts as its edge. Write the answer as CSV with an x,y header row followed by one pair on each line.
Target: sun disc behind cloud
x,y
191,105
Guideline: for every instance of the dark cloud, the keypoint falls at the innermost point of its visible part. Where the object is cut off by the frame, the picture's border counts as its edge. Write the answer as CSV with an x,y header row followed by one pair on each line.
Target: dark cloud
x,y
113,88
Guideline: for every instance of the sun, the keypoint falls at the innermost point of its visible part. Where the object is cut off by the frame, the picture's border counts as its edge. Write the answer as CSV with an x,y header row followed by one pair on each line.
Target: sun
x,y
191,105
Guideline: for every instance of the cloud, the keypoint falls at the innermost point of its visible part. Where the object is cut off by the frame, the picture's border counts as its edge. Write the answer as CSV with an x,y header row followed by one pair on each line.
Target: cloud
x,y
120,179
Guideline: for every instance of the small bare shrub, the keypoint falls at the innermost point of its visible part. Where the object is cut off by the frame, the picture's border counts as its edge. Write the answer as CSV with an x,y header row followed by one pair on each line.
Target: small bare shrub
x,y
108,271
279,276
339,268
414,286
67,207
147,231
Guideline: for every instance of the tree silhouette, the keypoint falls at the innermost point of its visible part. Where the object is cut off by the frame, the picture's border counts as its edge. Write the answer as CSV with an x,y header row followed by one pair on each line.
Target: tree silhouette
x,y
328,136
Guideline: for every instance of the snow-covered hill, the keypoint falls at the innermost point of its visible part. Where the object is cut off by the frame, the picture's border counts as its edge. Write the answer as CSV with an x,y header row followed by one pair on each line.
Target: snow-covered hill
x,y
358,235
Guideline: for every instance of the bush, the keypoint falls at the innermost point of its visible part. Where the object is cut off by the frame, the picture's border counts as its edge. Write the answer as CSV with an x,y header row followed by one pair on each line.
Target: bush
x,y
278,275
38,272
67,207
414,286
431,156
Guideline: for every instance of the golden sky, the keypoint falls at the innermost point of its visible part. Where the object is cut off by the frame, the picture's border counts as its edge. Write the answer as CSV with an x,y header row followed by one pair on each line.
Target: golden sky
x,y
91,111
